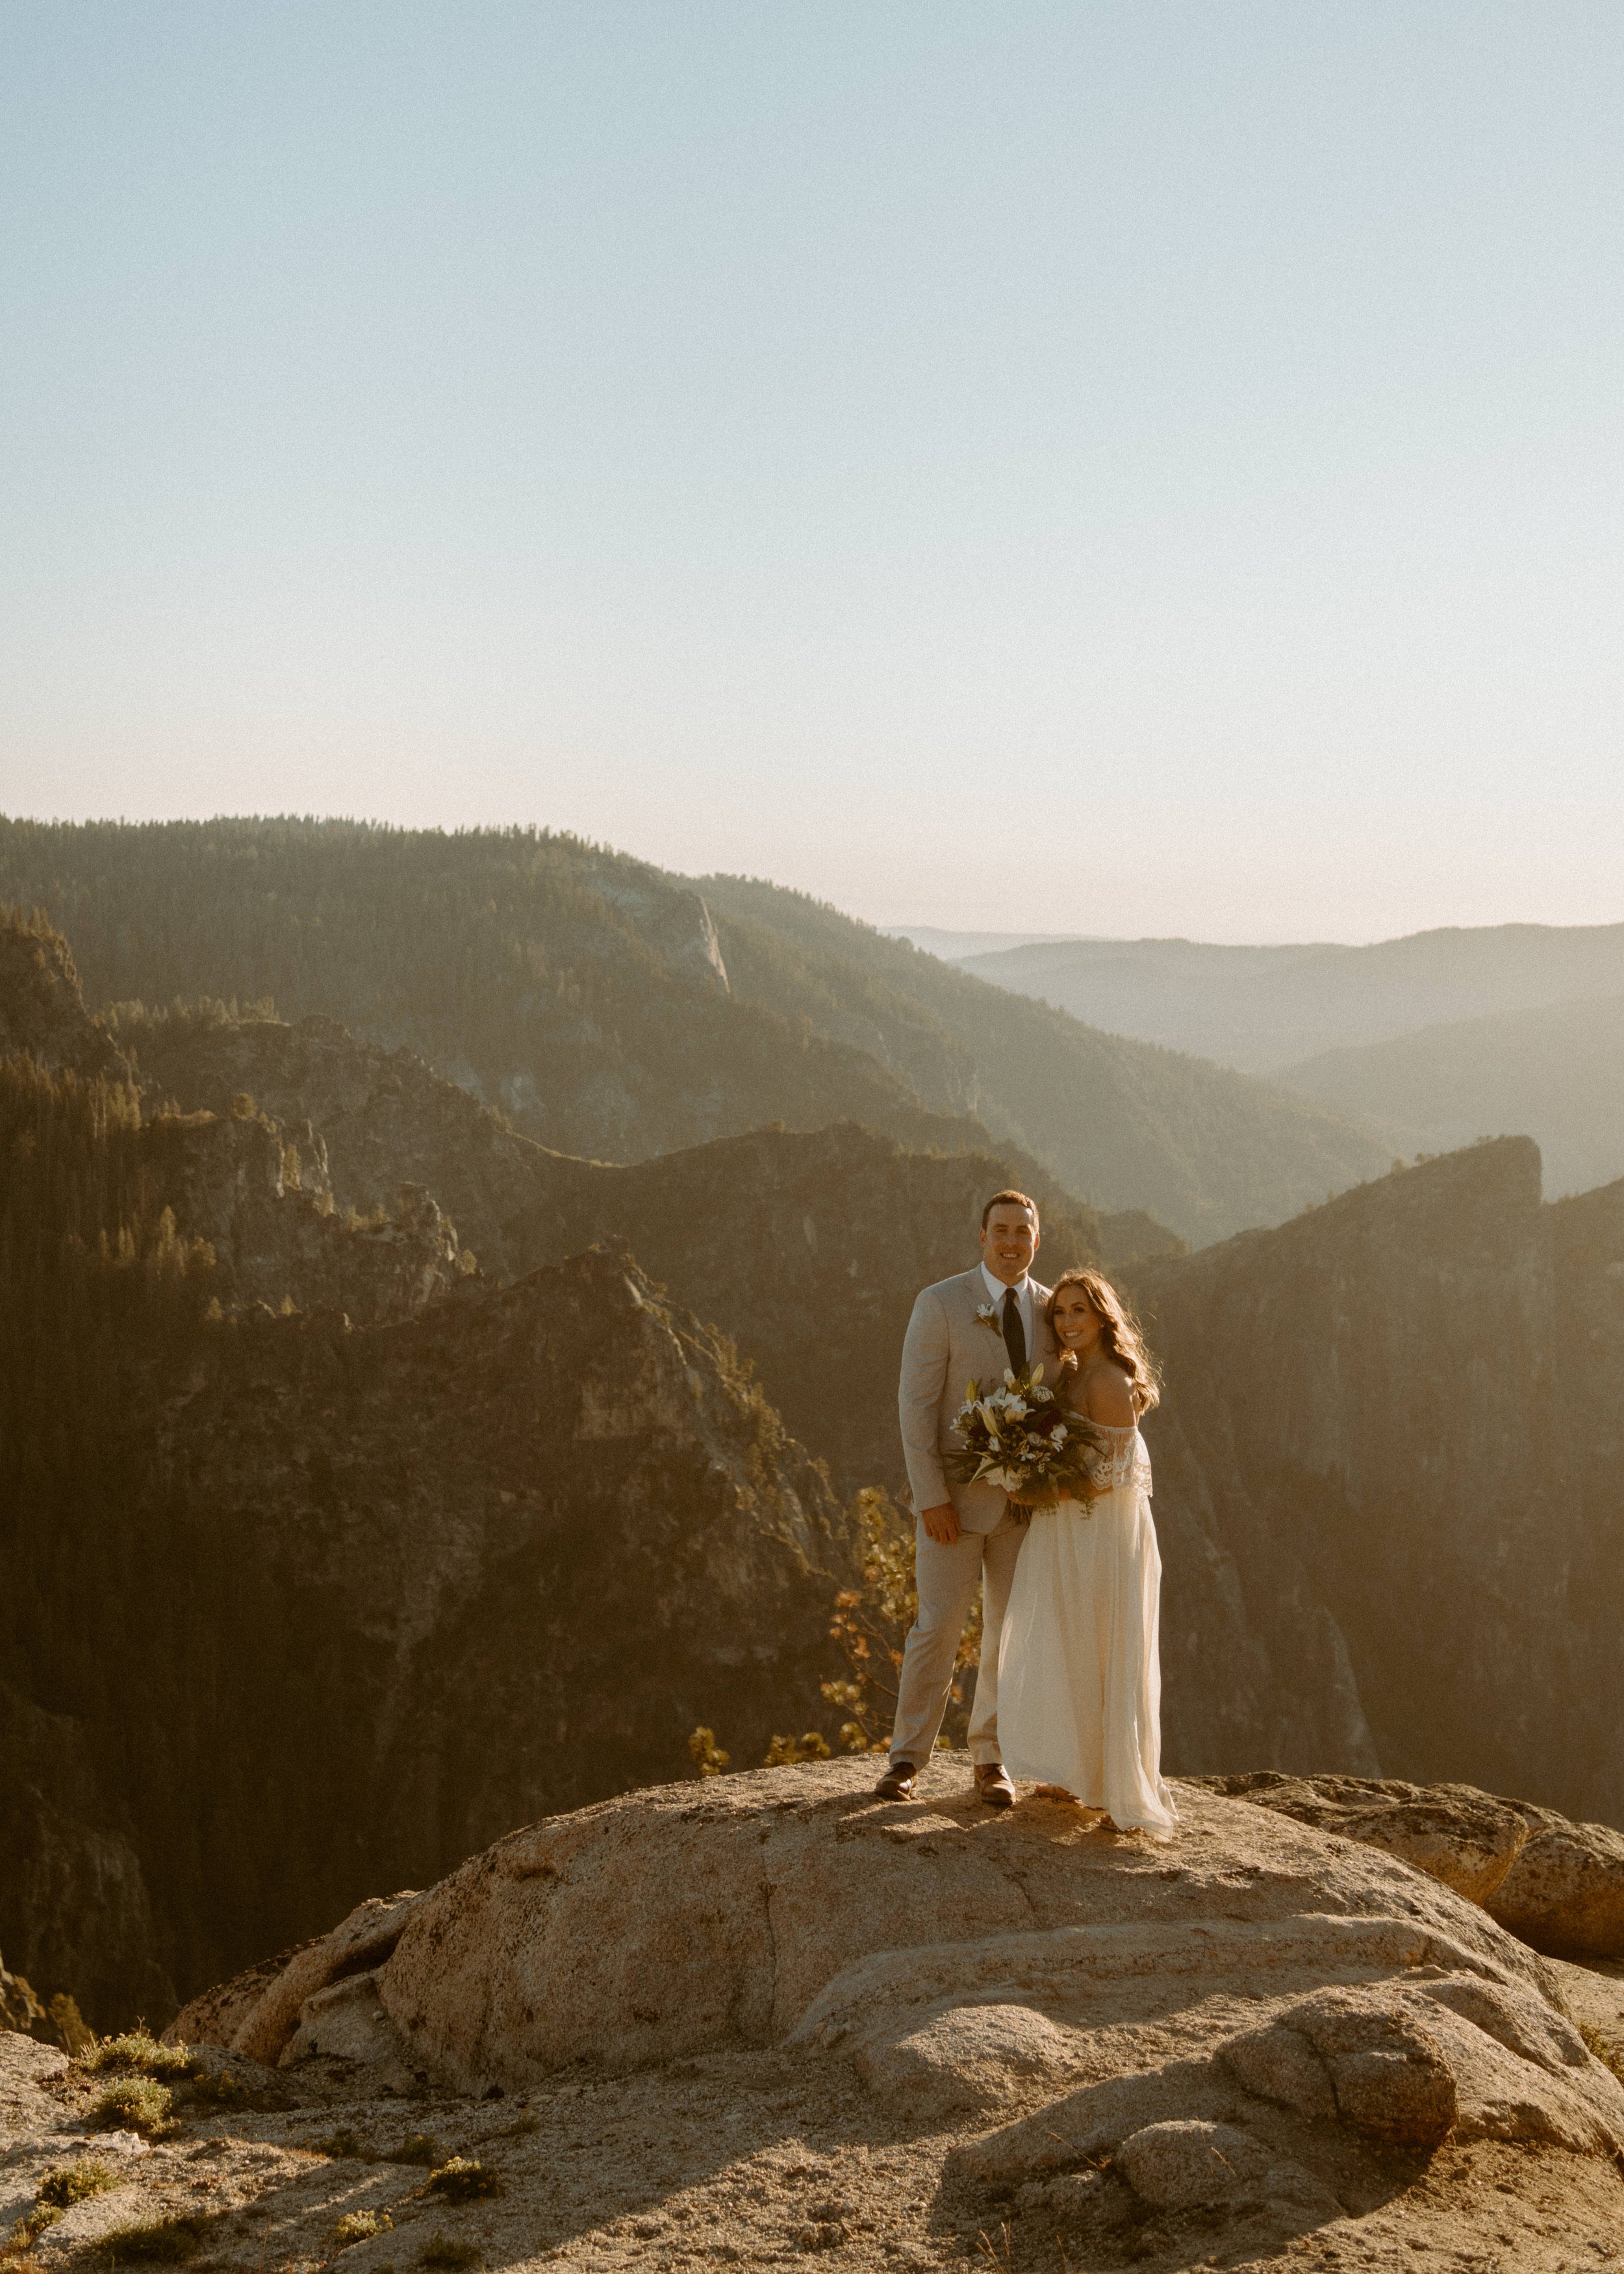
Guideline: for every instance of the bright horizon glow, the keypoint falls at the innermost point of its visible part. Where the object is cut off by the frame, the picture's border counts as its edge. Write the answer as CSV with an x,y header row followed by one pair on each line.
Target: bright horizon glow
x,y
1134,470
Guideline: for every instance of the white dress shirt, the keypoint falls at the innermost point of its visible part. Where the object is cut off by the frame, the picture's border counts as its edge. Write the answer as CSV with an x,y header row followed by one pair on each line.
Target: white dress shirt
x,y
1025,1303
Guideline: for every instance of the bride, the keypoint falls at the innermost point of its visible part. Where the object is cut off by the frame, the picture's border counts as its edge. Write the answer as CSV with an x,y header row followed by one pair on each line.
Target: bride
x,y
1080,1678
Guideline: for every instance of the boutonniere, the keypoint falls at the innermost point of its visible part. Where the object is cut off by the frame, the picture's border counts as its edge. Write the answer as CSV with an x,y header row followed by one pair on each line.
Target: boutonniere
x,y
988,1316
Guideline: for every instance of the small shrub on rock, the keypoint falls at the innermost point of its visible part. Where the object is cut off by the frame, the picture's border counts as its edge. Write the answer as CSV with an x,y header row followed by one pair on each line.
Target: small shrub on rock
x,y
340,2144
360,2226
136,2104
463,2180
155,2242
65,2184
417,2148
139,2050
708,1758
784,1752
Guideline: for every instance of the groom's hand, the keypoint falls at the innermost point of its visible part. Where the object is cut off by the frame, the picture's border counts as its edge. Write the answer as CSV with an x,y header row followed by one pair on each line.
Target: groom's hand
x,y
941,1523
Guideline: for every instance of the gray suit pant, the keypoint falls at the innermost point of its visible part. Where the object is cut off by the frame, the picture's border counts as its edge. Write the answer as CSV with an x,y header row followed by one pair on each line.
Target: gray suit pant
x,y
947,1578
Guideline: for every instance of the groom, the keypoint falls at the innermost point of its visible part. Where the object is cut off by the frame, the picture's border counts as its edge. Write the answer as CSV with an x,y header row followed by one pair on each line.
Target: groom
x,y
963,1330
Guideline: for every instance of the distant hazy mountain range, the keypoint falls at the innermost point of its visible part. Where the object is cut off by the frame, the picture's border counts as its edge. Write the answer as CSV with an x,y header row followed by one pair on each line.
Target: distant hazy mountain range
x,y
1555,1074
1431,1041
959,946
1262,1008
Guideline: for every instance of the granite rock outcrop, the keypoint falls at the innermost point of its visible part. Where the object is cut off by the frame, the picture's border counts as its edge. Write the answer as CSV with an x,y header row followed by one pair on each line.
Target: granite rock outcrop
x,y
1266,2034
1557,1886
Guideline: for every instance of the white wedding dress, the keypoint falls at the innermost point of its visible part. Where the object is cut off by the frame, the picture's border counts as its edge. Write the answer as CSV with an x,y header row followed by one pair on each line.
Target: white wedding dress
x,y
1079,1674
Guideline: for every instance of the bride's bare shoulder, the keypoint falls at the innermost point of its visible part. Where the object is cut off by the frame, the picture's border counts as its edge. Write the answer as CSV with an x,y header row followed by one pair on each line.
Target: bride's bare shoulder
x,y
1105,1393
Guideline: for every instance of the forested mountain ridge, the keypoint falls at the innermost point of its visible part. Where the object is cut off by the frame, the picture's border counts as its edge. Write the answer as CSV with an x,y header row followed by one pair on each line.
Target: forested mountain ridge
x,y
1207,1150
615,1012
769,1235
262,1224
579,991
289,1602
310,1169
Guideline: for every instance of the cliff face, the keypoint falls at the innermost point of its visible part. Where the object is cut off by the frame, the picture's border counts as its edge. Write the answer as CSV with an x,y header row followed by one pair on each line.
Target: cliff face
x,y
1388,1487
806,1247
259,1194
381,1116
359,1598
42,1005
808,1252
73,1897
576,1525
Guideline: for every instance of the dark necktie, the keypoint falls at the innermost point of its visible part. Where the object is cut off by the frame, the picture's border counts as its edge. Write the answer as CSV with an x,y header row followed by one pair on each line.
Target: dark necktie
x,y
1014,1333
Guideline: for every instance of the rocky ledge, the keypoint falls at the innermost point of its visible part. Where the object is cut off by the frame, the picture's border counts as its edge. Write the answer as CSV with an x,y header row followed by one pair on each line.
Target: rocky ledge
x,y
770,2015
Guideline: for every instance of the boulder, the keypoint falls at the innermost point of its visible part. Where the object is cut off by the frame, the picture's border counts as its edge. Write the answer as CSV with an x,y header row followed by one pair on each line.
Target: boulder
x,y
1555,1885
971,2057
1415,2063
345,2021
259,2014
1565,1892
1368,2061
791,1904
851,2025
1188,2166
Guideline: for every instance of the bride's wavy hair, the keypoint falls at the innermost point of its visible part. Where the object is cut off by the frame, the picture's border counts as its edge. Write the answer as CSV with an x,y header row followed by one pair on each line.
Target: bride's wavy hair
x,y
1123,1338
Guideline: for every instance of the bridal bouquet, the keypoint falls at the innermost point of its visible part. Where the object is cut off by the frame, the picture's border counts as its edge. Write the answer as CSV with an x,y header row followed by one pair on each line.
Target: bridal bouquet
x,y
1019,1438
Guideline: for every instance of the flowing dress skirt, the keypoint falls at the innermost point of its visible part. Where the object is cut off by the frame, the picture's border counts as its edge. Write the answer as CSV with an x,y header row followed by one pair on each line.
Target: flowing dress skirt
x,y
1079,1676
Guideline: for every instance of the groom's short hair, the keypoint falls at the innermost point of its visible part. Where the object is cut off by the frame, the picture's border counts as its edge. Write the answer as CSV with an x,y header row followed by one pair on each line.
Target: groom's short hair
x,y
1011,1199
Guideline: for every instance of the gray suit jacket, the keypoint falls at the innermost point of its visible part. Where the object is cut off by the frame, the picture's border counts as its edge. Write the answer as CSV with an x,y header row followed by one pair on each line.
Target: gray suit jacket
x,y
946,1349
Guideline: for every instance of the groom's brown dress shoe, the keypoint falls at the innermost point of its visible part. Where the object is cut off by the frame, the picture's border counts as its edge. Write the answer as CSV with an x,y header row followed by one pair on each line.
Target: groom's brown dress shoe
x,y
898,1782
993,1787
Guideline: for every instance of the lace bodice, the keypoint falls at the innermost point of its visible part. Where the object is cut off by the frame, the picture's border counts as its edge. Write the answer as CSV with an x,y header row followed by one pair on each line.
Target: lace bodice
x,y
1121,1460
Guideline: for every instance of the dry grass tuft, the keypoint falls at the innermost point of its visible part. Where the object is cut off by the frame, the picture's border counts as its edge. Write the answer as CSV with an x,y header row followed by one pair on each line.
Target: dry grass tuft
x,y
154,2242
441,2250
418,2148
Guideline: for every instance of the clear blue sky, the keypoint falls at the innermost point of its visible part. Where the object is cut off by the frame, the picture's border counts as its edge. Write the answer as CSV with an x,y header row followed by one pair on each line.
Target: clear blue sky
x,y
1117,468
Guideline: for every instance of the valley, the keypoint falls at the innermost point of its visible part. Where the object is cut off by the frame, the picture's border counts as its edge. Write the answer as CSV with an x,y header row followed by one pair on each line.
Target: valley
x,y
376,1476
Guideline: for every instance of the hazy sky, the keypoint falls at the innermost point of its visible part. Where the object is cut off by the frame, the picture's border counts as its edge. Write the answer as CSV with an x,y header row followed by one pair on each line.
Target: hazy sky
x,y
1126,468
